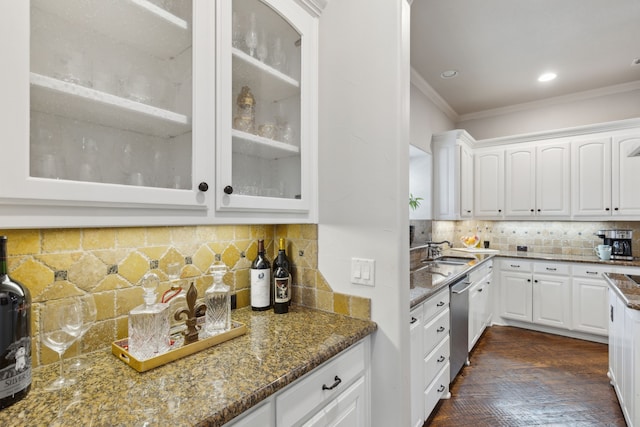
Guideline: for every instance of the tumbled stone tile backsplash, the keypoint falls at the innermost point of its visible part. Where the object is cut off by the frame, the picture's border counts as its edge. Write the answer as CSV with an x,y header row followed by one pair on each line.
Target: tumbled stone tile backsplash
x,y
550,237
109,263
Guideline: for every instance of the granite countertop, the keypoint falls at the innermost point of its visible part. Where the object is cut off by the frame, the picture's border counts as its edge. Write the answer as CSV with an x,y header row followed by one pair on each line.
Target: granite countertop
x,y
626,288
208,388
424,282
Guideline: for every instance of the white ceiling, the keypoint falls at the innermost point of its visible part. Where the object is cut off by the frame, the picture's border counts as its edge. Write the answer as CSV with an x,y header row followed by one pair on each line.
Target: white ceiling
x,y
500,47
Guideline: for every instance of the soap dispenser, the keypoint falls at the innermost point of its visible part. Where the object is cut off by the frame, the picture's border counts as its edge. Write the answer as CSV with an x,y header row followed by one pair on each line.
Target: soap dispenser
x,y
149,323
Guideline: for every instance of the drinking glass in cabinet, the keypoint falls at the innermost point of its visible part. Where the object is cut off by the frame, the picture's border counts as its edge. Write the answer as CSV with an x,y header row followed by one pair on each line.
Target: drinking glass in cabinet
x,y
251,37
112,81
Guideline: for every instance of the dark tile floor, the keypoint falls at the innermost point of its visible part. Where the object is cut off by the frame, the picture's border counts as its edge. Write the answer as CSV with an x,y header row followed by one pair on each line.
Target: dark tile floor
x,y
525,378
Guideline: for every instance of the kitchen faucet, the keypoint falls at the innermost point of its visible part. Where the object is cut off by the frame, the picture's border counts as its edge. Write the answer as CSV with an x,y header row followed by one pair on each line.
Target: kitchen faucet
x,y
435,251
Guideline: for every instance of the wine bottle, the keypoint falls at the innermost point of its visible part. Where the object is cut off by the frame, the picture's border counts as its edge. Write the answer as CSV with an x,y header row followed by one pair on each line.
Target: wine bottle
x,y
15,335
281,280
260,281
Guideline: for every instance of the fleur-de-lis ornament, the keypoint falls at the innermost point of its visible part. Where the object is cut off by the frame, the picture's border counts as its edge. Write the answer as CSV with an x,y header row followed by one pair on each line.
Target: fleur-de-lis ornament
x,y
191,314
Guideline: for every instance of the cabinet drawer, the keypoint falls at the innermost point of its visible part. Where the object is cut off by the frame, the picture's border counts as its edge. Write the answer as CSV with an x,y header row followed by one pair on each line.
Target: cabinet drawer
x,y
592,271
516,265
298,400
434,305
436,390
480,272
551,268
435,331
436,360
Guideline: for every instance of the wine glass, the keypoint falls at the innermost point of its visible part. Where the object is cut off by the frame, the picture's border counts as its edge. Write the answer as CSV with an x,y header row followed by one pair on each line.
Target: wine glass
x,y
60,326
89,313
251,36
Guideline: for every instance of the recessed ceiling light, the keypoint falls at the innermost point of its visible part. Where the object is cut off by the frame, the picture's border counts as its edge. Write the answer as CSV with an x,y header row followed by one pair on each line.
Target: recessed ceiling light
x,y
449,74
547,77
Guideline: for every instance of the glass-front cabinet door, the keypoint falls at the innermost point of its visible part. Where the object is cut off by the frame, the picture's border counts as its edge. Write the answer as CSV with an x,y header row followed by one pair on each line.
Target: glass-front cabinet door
x,y
267,89
104,111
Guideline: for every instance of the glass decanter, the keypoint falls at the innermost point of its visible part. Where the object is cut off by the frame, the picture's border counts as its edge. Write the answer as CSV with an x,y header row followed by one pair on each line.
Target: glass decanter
x,y
218,301
149,323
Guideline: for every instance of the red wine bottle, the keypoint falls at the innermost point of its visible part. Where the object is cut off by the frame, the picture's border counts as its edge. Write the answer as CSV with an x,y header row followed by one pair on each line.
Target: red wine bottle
x,y
279,284
15,335
260,281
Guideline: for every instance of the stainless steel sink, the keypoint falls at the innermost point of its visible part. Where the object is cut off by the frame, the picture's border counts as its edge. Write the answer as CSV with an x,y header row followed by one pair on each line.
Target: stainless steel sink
x,y
448,260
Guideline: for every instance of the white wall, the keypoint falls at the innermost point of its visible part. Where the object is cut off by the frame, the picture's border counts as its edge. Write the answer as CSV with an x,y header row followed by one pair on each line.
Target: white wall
x,y
564,112
426,119
364,179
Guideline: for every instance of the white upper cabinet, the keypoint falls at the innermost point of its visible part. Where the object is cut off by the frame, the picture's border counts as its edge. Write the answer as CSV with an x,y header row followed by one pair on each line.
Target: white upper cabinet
x,y
129,112
99,108
626,175
553,180
452,175
489,183
267,115
537,180
591,177
520,181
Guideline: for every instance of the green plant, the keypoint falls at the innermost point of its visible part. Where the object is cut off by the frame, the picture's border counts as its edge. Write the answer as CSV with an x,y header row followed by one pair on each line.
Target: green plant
x,y
414,202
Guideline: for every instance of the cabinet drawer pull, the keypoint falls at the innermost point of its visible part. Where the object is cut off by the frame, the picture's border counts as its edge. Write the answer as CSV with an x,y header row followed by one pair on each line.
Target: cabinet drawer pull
x,y
228,189
441,388
413,320
592,272
440,304
551,269
440,329
441,359
334,385
480,290
515,266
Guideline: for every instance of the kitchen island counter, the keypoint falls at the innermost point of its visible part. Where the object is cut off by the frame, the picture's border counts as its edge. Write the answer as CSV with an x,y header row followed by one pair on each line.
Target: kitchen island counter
x,y
208,388
625,288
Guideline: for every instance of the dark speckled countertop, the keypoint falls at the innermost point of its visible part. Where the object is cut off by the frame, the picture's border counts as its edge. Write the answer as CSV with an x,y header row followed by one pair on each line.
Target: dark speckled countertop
x,y
424,282
208,388
626,288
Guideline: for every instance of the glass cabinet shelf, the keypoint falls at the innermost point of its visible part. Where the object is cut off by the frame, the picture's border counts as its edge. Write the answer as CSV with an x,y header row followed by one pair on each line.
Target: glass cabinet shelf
x,y
268,82
258,146
53,96
158,31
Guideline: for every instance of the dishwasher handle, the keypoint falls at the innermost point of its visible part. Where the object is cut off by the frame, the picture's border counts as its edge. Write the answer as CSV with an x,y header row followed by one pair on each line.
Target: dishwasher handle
x,y
458,291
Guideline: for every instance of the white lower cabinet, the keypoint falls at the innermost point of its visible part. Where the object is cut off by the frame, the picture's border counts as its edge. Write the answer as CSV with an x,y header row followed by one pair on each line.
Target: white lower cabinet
x,y
334,394
430,350
263,415
590,308
415,325
480,302
624,356
569,297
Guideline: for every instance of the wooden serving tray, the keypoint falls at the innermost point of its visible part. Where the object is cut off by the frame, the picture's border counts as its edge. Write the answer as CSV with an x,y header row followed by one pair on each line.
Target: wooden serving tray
x,y
118,348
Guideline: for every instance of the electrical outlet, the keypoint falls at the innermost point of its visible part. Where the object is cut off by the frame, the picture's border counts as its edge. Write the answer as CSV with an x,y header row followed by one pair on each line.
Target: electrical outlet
x,y
521,248
363,271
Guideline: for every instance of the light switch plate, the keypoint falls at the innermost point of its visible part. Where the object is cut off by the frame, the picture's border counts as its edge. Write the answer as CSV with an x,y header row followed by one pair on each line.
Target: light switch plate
x,y
363,271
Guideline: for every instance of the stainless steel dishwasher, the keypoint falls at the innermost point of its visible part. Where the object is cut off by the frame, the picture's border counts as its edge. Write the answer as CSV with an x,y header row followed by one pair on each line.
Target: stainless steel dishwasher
x,y
459,325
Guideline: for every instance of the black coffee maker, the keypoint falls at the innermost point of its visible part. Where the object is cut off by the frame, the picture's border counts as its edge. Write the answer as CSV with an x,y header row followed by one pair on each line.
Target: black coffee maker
x,y
620,242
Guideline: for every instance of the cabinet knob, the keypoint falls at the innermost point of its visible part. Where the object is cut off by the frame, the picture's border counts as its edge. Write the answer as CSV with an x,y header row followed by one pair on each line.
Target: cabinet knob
x,y
529,280
413,320
499,210
228,189
607,209
615,209
539,210
531,210
203,186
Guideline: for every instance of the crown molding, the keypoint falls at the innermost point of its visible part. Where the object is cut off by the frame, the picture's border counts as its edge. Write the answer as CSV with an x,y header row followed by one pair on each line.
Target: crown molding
x,y
617,125
418,81
315,7
564,99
